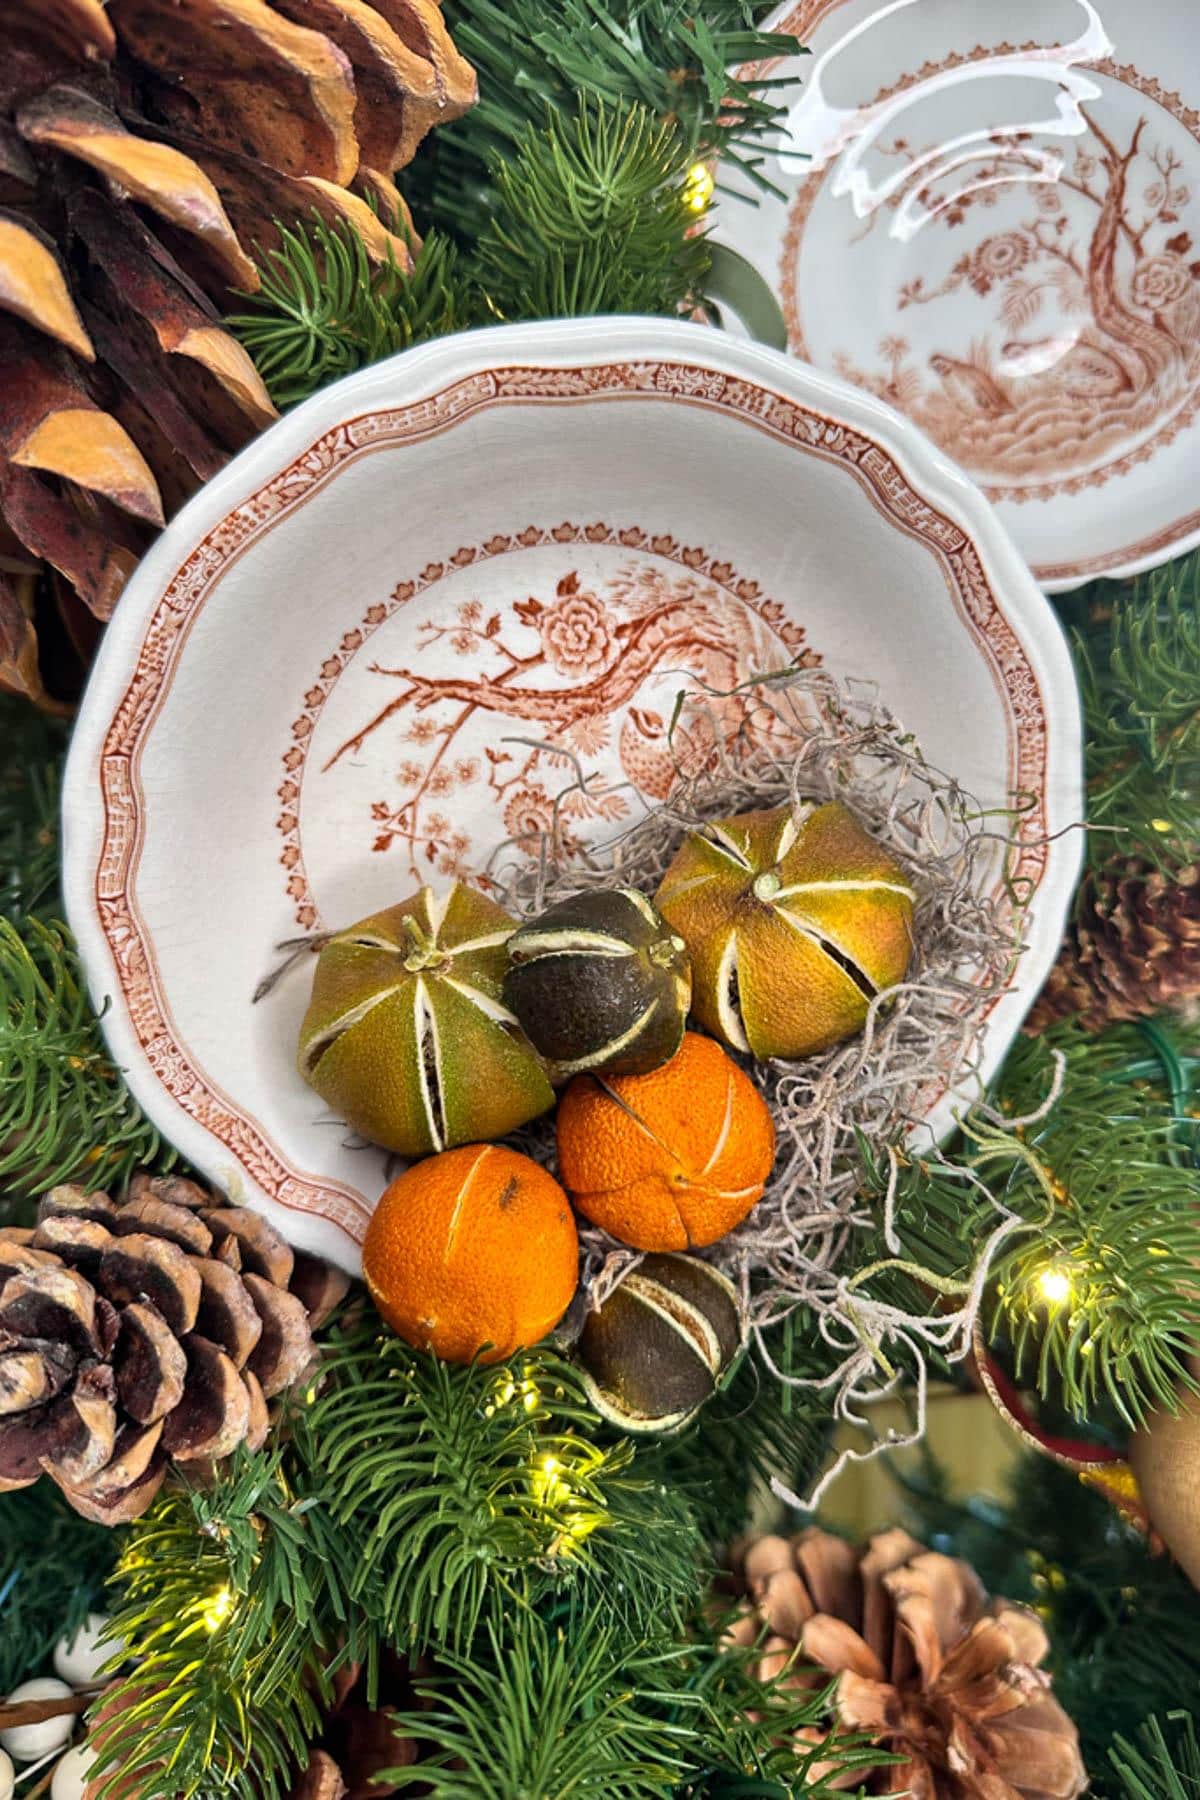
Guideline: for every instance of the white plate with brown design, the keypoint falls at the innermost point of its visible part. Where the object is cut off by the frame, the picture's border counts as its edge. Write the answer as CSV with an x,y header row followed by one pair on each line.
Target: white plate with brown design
x,y
989,216
336,673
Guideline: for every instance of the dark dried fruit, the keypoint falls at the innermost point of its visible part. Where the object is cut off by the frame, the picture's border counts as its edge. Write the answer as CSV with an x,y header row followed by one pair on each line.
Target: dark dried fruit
x,y
661,1343
600,981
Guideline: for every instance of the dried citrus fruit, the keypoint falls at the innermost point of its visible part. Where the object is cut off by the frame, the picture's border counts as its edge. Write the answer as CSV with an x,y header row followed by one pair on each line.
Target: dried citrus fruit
x,y
472,1253
670,1160
406,1035
661,1343
600,982
794,919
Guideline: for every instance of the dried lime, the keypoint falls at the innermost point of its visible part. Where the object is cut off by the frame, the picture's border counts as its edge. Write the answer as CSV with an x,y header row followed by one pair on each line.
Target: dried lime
x,y
794,919
600,982
661,1343
407,1037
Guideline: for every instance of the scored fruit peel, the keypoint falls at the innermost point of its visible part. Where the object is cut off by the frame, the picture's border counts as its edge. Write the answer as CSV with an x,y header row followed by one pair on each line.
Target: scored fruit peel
x,y
672,1160
406,1035
795,918
472,1254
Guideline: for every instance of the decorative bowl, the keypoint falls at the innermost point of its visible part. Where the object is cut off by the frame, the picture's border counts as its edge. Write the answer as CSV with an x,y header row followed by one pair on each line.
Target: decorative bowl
x,y
990,217
337,672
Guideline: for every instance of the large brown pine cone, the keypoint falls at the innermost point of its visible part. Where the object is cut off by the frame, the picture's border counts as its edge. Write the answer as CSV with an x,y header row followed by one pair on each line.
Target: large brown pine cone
x,y
926,1667
147,149
1132,950
145,1330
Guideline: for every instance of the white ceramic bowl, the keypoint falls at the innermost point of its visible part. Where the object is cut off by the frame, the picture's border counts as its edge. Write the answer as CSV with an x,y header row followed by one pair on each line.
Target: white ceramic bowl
x,y
989,215
313,692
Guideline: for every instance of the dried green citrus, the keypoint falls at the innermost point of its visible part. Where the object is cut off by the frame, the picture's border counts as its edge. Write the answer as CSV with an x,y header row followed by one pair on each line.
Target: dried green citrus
x,y
599,981
794,920
407,1036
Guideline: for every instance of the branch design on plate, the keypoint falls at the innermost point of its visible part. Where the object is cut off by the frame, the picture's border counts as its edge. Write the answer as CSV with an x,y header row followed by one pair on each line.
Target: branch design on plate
x,y
1122,351
1061,345
503,697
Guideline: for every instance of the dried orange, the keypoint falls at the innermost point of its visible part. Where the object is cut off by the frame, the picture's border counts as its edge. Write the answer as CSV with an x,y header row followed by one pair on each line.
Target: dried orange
x,y
669,1160
794,920
473,1252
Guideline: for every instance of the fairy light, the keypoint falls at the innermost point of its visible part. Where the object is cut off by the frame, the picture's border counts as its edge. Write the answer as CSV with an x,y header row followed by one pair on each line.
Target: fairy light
x,y
699,187
217,1609
548,1485
1054,1285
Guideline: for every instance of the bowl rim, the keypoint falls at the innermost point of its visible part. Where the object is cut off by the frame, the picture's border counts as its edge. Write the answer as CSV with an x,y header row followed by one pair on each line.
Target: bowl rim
x,y
425,370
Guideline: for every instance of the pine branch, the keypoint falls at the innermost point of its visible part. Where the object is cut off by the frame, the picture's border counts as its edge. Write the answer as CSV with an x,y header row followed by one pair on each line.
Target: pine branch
x,y
1161,1765
1140,679
65,1112
53,1566
1099,1299
591,216
324,309
537,58
454,1484
232,1603
568,1706
28,808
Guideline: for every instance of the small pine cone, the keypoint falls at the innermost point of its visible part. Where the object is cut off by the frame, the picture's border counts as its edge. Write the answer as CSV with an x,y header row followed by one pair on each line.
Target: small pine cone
x,y
926,1667
1133,949
145,1330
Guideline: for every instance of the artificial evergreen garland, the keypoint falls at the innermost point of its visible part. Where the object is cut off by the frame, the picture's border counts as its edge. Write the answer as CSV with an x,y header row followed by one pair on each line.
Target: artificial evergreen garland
x,y
549,1586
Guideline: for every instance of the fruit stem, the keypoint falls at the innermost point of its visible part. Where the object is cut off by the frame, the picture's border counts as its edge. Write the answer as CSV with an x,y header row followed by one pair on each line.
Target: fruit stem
x,y
766,886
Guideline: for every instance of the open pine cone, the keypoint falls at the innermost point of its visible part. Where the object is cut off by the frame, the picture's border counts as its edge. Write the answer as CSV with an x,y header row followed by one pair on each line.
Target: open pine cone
x,y
147,149
926,1667
144,1330
1132,949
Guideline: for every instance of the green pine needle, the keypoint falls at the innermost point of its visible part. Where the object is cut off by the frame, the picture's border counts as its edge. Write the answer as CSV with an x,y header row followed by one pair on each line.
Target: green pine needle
x,y
1162,1765
53,1566
591,217
536,58
324,309
65,1112
1140,675
231,1599
1122,1228
549,1710
28,808
567,1706
456,1483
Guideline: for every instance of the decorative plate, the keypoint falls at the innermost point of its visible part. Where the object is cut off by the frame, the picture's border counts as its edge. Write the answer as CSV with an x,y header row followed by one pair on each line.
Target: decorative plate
x,y
989,216
335,675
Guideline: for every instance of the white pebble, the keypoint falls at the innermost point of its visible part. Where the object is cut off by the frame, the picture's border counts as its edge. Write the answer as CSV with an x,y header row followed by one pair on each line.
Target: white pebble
x,y
25,1743
79,1659
71,1773
7,1779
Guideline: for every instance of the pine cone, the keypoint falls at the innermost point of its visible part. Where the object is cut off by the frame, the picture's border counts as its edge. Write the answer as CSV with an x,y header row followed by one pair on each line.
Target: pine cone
x,y
145,1330
145,147
359,1740
925,1666
1133,949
